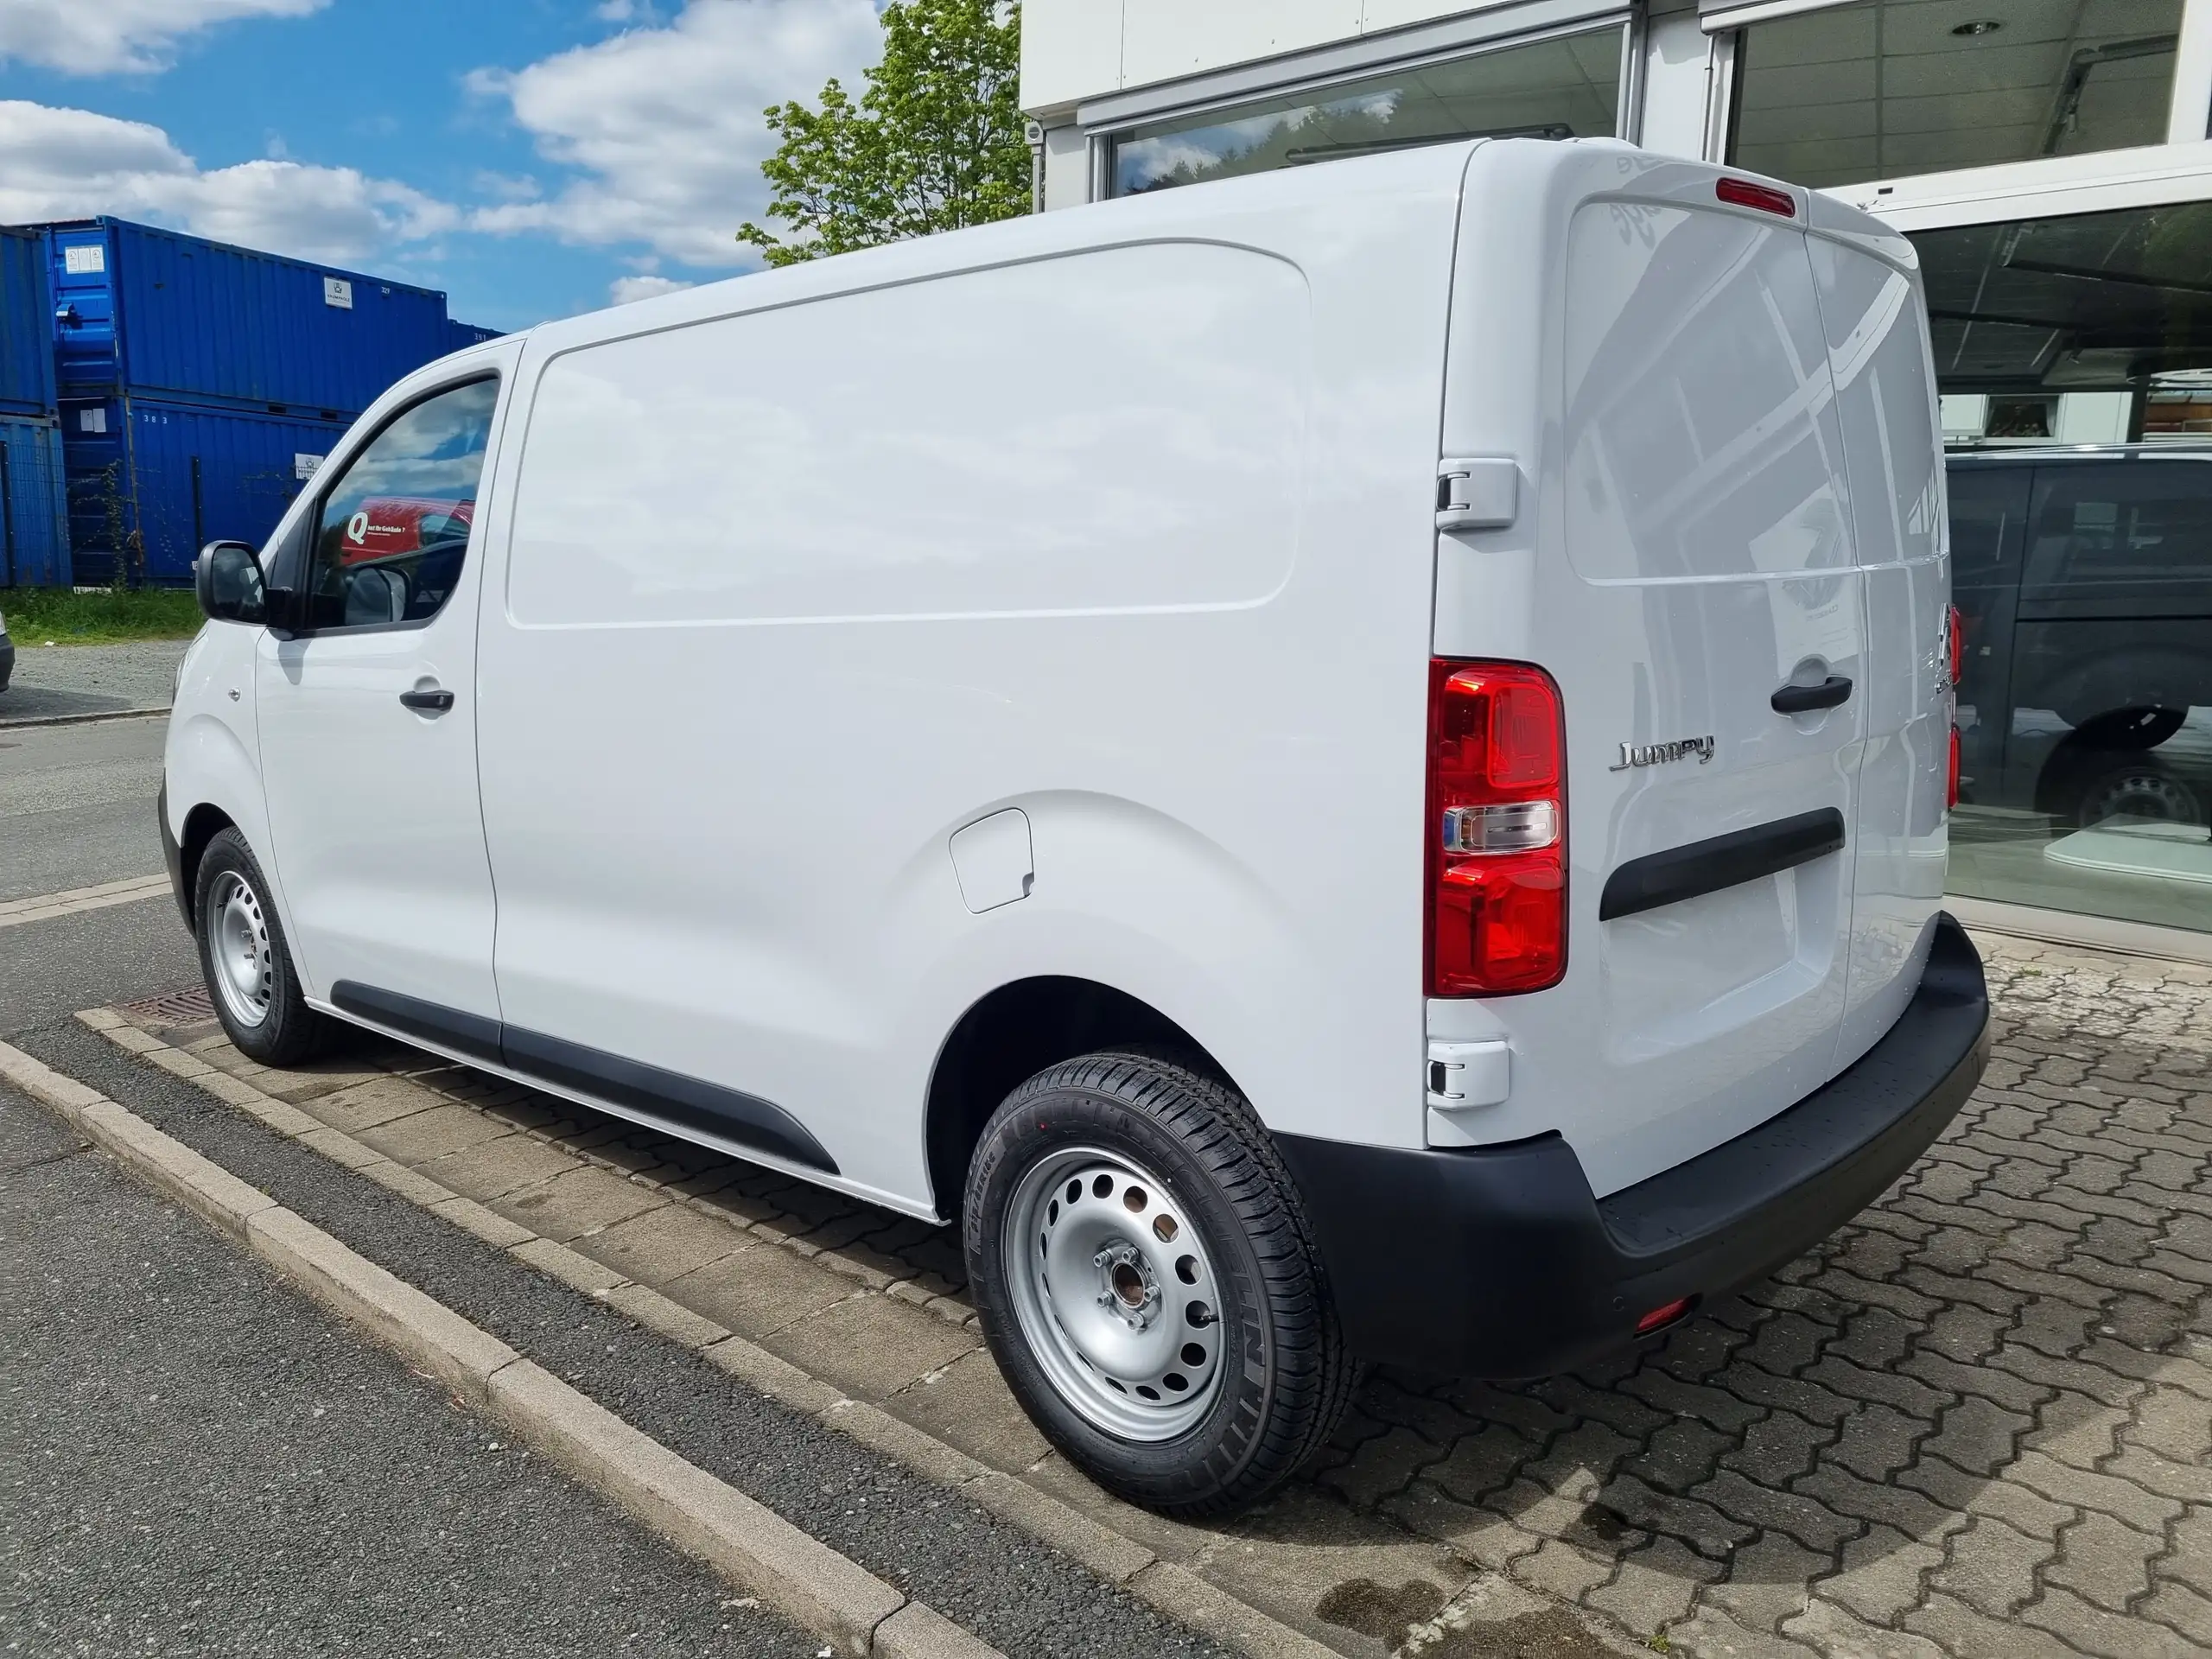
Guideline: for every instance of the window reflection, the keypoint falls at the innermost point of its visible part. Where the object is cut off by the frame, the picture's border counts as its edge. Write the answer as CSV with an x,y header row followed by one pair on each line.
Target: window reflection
x,y
1888,88
1563,88
2074,356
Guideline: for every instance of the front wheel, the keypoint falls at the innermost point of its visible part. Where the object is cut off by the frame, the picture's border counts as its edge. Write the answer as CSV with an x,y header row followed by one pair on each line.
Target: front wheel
x,y
244,958
1149,1286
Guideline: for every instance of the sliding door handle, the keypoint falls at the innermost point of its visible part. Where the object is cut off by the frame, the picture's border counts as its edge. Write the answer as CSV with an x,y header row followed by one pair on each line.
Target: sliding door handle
x,y
1830,693
427,701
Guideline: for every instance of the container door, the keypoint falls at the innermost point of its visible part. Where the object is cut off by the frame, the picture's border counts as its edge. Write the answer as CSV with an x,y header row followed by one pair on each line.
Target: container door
x,y
1708,590
1877,332
368,722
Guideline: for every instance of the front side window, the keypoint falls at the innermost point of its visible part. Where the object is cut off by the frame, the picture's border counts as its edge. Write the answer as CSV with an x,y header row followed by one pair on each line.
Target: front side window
x,y
1890,88
393,532
1563,88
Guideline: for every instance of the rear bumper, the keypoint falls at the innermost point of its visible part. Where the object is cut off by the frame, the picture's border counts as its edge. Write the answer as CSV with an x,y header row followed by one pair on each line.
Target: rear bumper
x,y
1499,1263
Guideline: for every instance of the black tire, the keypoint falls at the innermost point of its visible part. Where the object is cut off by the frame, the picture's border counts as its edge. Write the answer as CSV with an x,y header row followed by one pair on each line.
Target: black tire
x,y
1285,1376
289,1030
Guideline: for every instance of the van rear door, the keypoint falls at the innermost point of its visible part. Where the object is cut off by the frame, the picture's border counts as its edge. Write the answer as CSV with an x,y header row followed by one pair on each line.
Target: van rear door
x,y
1879,359
1692,582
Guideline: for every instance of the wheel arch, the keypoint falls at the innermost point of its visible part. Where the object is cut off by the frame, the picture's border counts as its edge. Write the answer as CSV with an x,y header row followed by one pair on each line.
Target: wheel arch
x,y
1012,1033
201,825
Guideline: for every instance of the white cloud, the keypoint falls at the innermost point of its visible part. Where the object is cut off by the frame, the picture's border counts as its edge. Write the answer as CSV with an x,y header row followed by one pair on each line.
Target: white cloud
x,y
664,124
101,37
58,163
623,289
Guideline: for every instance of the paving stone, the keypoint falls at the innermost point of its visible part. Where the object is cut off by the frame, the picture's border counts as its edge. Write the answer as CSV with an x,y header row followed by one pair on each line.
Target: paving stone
x,y
378,1100
2181,1608
1877,1441
1991,1568
586,1199
1882,1574
431,1133
968,1405
663,1243
1976,1436
2123,1500
870,1346
2104,1563
1654,1586
494,1168
2092,1629
759,1290
1811,1523
1837,1635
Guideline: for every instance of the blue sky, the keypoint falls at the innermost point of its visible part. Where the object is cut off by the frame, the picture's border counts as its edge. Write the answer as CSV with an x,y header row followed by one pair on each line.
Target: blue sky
x,y
534,158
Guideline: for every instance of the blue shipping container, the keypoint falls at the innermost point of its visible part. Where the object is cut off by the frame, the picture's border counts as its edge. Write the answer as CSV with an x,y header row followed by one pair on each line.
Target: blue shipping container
x,y
460,336
26,326
143,311
165,478
33,505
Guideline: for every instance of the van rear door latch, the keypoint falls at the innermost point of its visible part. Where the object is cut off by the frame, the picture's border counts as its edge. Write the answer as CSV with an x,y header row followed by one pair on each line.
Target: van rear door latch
x,y
1477,493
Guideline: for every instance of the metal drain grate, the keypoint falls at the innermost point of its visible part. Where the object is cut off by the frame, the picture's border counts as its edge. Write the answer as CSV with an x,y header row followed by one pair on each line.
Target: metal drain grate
x,y
187,1008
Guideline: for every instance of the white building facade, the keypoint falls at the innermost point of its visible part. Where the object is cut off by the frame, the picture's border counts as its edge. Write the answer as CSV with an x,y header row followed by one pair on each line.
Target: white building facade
x,y
2052,161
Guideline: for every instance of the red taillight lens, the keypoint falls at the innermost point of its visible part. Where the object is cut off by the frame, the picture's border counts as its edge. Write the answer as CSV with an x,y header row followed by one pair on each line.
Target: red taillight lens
x,y
1951,788
1497,830
1741,193
1955,632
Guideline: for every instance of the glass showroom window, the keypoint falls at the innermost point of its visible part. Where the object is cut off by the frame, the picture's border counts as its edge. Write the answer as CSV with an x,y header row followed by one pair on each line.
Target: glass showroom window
x,y
2073,356
1889,88
1562,88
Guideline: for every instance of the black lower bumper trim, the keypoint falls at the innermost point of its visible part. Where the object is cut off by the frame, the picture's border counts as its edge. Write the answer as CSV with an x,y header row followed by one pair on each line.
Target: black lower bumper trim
x,y
172,854
1498,1261
687,1102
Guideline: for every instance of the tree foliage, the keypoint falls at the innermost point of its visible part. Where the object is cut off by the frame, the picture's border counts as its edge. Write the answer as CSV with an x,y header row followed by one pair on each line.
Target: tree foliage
x,y
935,143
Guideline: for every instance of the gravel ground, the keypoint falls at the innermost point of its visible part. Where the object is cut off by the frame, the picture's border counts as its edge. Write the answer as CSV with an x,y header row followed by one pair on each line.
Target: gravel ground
x,y
195,1459
90,679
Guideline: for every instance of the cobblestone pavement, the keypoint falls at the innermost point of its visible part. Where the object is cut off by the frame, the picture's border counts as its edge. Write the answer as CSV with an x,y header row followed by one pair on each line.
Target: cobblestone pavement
x,y
1977,1421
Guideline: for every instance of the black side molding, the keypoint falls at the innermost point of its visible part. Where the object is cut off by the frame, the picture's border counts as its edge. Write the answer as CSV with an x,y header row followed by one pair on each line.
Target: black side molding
x,y
1726,861
687,1102
465,1034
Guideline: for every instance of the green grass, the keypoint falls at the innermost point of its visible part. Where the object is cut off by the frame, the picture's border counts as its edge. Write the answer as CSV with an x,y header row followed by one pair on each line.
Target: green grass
x,y
40,616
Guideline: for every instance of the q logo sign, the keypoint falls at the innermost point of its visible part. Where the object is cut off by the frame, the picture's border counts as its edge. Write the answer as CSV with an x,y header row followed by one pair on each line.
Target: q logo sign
x,y
357,528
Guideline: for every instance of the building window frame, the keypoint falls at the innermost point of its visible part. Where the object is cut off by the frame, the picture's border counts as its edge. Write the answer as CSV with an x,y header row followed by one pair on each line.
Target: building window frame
x,y
1105,120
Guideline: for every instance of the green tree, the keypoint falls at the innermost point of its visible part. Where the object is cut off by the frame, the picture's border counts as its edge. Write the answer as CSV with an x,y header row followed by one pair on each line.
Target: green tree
x,y
935,143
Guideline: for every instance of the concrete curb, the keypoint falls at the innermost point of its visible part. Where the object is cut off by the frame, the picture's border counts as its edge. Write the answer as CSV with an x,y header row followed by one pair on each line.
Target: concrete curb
x,y
802,1578
94,719
1166,1586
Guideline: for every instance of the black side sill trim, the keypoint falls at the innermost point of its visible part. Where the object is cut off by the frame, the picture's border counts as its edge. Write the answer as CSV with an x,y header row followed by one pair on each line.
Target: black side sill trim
x,y
685,1102
465,1034
1726,861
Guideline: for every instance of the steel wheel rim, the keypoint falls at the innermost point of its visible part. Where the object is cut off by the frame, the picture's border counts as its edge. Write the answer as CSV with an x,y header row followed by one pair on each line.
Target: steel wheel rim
x,y
2144,795
1115,1292
243,968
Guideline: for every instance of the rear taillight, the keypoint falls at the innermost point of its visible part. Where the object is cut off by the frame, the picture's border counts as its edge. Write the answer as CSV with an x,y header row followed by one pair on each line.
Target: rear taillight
x,y
1955,636
1497,830
1951,785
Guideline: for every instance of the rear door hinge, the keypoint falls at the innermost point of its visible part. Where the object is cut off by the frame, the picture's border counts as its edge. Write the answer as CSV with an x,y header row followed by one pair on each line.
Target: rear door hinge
x,y
1477,493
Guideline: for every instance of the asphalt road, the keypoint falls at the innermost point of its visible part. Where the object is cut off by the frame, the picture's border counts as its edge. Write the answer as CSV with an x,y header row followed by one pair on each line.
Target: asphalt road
x,y
77,810
195,1459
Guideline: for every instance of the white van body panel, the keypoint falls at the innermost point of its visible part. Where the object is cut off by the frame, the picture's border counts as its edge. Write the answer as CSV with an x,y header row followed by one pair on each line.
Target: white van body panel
x,y
1664,367
1119,518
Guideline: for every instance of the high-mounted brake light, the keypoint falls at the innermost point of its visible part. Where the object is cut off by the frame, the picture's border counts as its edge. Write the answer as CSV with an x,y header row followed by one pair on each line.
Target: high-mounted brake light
x,y
1741,193
1497,830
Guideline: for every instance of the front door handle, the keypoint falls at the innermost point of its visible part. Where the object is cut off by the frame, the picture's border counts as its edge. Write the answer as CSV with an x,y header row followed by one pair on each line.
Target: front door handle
x,y
1810,699
437,701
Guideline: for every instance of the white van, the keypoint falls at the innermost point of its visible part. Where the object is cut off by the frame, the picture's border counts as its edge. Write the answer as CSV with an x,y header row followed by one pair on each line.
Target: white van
x,y
1342,765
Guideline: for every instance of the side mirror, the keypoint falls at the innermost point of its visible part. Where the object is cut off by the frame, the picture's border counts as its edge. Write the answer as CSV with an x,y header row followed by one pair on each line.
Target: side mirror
x,y
228,580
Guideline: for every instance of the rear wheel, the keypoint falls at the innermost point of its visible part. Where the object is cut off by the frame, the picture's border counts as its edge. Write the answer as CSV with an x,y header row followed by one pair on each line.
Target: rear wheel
x,y
1148,1284
245,961
2132,729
